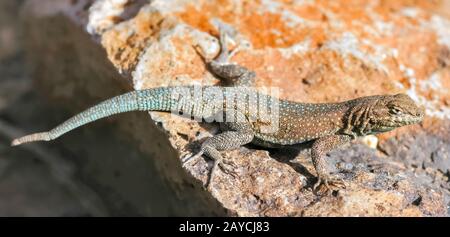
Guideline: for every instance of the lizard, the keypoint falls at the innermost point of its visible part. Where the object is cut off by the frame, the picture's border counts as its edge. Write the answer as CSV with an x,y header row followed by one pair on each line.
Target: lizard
x,y
326,125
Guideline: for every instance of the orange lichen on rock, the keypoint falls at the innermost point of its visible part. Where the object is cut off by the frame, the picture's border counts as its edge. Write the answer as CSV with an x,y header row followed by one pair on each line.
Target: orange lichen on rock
x,y
124,44
264,28
189,57
196,18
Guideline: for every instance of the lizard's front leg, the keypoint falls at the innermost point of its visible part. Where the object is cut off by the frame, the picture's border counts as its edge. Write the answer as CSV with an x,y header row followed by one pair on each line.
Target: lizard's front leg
x,y
320,148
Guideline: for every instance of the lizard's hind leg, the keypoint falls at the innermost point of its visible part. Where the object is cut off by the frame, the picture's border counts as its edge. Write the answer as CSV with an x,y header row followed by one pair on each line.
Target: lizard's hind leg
x,y
221,66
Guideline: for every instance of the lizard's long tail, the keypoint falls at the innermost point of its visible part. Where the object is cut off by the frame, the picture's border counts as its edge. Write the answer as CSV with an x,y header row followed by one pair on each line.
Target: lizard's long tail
x,y
157,99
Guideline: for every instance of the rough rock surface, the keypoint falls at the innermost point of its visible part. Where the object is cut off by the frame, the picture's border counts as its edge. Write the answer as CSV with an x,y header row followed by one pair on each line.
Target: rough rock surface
x,y
313,51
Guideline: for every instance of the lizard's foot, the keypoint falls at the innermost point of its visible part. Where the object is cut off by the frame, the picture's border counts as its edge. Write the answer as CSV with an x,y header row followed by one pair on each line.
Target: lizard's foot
x,y
326,184
228,168
221,66
226,141
225,54
213,172
187,159
217,158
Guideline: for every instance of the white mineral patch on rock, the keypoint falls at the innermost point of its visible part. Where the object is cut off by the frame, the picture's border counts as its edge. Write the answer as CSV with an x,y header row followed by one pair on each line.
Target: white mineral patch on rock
x,y
371,141
102,14
348,44
432,106
298,48
442,28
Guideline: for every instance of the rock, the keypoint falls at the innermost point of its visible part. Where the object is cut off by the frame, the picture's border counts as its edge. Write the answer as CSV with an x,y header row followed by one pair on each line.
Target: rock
x,y
310,51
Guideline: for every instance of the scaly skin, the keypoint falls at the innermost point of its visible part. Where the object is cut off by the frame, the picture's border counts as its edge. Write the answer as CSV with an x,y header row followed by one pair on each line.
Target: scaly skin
x,y
328,125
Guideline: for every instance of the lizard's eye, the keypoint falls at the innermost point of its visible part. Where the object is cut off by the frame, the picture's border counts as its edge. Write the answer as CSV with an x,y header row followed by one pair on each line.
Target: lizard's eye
x,y
395,111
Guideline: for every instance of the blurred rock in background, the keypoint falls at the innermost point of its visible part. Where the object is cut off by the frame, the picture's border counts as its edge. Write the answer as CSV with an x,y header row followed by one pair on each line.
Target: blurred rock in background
x,y
44,180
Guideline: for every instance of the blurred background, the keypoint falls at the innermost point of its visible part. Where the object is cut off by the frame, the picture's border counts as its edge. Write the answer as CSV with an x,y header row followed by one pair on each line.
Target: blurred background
x,y
30,181
50,180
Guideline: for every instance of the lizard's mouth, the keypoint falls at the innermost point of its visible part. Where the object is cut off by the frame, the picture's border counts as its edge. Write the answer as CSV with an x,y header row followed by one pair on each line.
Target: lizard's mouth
x,y
381,129
407,120
395,122
392,122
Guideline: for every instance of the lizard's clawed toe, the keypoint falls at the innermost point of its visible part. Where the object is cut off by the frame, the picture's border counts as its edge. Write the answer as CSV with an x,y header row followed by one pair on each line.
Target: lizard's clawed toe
x,y
187,159
328,184
228,168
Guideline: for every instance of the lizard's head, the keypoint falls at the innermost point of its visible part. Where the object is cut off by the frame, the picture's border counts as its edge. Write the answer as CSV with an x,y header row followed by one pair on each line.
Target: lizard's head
x,y
382,113
393,111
